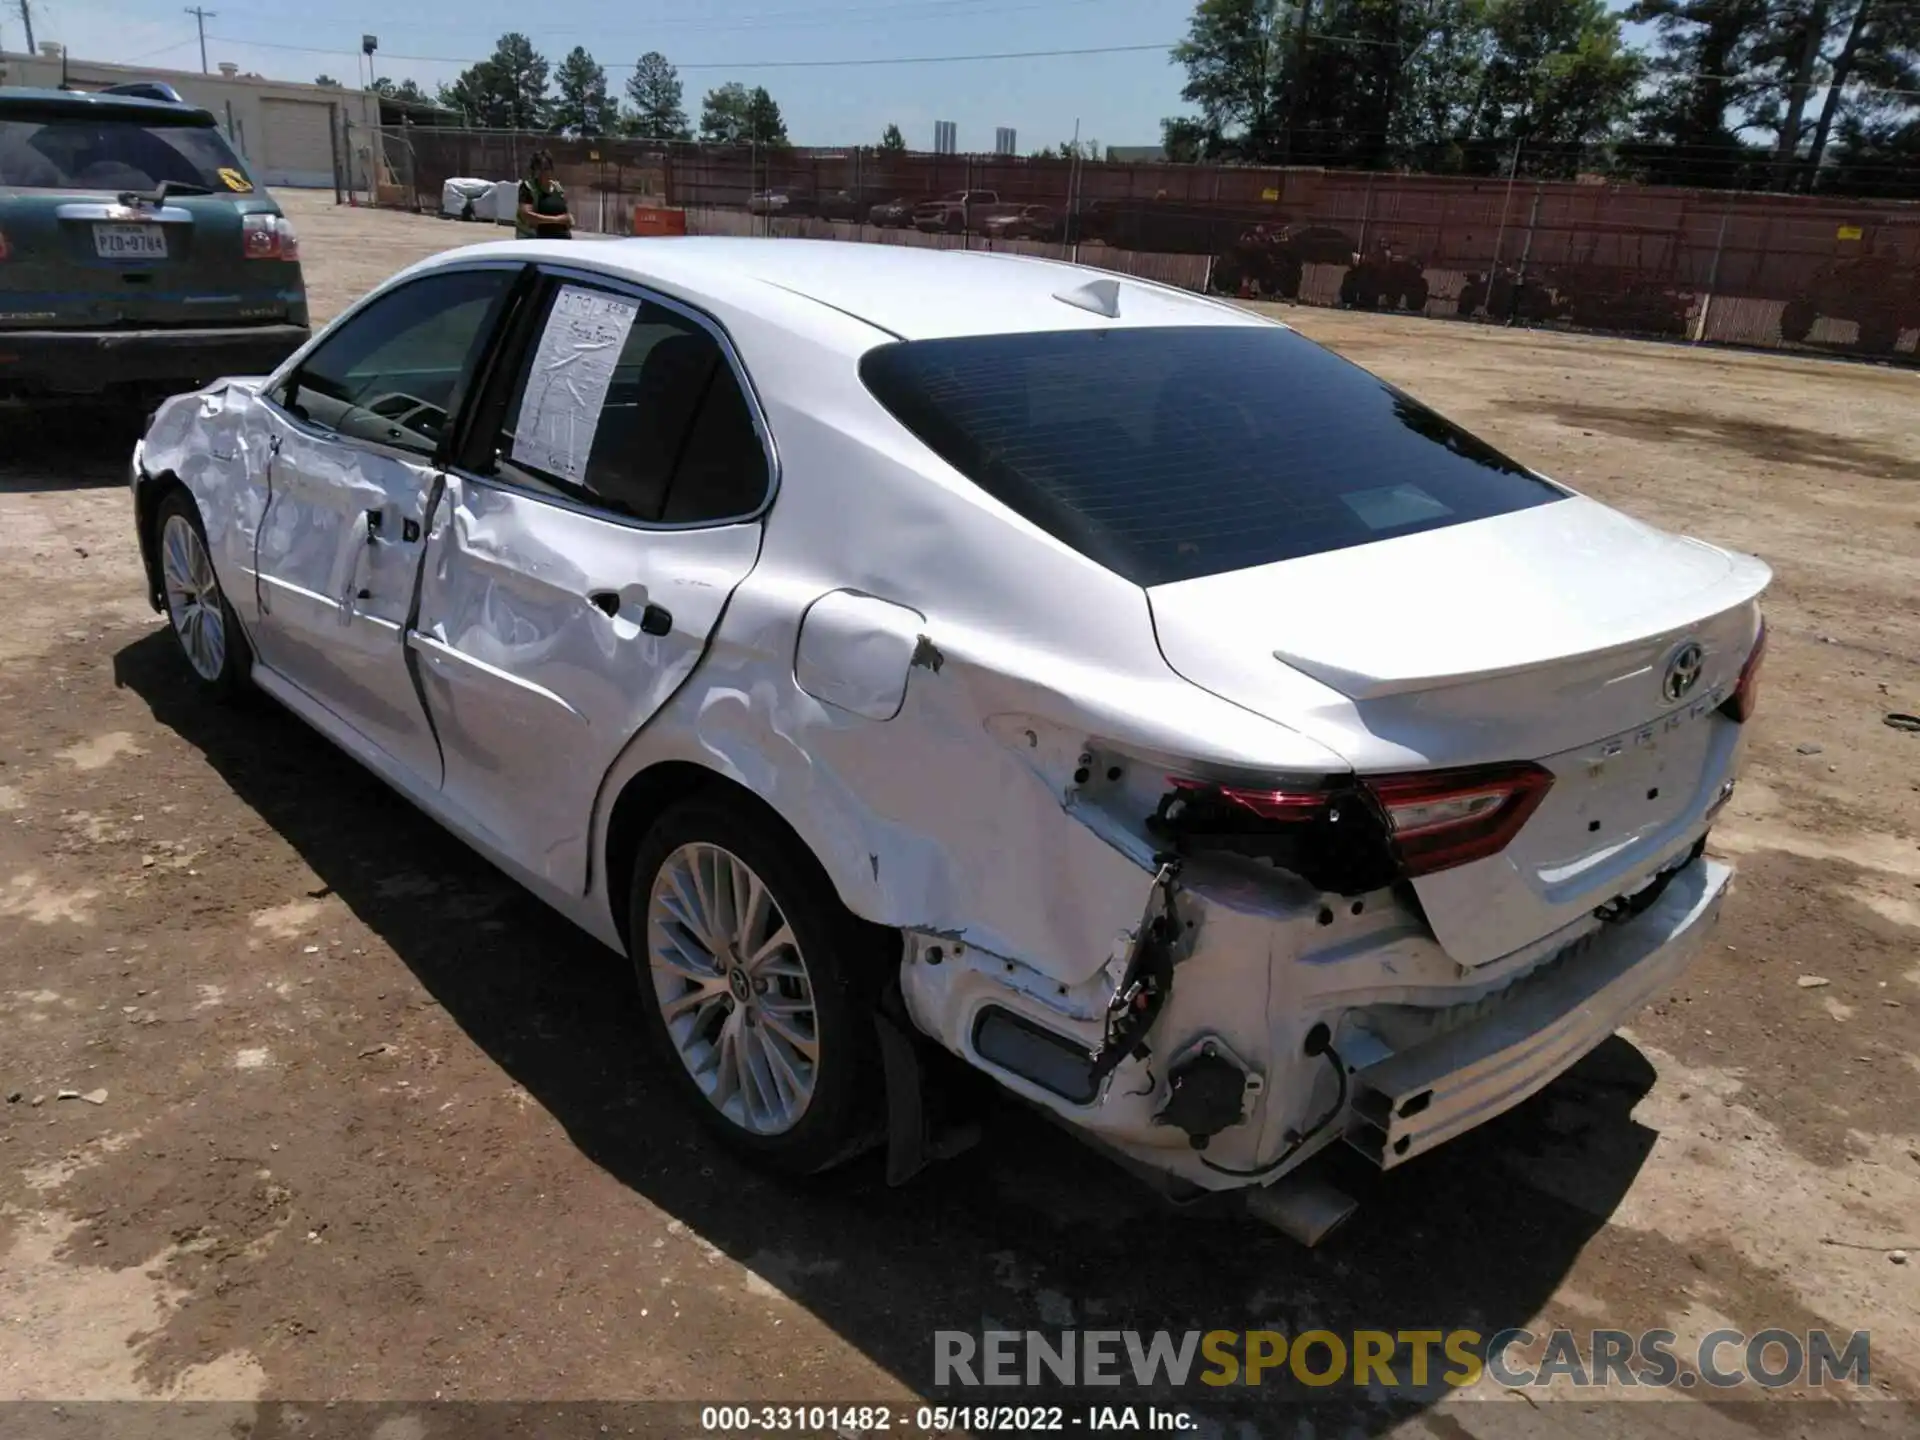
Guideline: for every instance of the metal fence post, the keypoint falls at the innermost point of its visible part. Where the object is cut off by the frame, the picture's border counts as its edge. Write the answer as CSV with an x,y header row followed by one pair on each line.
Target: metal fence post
x,y
1500,236
1713,278
333,140
1526,252
966,207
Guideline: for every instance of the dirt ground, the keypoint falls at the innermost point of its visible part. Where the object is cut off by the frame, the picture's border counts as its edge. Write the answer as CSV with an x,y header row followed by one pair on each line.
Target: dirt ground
x,y
372,1125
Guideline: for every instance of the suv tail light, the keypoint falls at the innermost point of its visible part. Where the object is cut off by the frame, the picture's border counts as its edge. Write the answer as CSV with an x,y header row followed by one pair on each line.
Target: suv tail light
x,y
1746,692
269,237
3,245
1372,830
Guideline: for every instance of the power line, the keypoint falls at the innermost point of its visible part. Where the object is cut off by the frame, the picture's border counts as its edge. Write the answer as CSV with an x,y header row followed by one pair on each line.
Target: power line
x,y
26,19
151,54
202,16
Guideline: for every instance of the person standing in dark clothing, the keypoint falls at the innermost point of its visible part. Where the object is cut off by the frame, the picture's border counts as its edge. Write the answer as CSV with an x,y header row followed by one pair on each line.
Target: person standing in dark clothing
x,y
542,213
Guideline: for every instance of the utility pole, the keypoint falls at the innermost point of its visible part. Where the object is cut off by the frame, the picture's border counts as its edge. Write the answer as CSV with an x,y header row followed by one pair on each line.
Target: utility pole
x,y
202,16
26,18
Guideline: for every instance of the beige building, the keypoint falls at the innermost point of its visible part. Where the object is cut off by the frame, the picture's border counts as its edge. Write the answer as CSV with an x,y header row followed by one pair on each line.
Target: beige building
x,y
290,134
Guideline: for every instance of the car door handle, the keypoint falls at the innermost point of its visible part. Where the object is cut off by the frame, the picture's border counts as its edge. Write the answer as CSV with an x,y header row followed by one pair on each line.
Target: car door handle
x,y
376,527
654,619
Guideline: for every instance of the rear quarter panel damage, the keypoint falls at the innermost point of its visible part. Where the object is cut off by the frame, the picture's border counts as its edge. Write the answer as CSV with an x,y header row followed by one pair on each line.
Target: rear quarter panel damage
x,y
945,817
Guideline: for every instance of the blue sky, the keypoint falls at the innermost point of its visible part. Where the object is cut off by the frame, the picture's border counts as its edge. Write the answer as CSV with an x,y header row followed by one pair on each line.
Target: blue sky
x,y
1118,98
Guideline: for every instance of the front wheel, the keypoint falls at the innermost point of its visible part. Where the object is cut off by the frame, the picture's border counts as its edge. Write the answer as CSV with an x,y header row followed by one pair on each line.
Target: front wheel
x,y
204,624
759,986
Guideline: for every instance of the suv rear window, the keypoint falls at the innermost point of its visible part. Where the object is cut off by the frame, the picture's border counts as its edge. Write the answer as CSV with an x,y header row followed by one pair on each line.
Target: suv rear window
x,y
88,152
1168,454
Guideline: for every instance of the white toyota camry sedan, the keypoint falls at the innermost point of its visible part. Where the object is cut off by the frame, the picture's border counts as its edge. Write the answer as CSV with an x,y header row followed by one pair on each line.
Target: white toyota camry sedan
x,y
891,648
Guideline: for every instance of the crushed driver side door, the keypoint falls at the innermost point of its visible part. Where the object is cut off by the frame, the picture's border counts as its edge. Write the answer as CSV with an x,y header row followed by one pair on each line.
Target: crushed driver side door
x,y
609,502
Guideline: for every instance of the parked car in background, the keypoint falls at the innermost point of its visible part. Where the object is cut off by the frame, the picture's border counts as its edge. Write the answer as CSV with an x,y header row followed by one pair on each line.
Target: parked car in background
x,y
1029,222
894,651
782,200
892,214
137,257
954,212
840,204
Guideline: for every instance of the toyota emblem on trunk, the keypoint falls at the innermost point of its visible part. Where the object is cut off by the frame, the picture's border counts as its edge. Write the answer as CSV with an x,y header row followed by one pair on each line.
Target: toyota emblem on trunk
x,y
1683,671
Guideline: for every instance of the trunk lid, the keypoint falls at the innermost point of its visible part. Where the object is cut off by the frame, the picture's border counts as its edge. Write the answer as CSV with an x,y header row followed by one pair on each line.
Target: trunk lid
x,y
1546,634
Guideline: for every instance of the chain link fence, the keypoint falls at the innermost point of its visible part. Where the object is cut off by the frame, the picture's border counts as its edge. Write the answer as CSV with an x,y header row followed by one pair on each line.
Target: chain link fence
x,y
1740,268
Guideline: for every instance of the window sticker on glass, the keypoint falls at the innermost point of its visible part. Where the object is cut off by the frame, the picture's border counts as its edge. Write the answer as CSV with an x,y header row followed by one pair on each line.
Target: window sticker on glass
x,y
566,386
1391,506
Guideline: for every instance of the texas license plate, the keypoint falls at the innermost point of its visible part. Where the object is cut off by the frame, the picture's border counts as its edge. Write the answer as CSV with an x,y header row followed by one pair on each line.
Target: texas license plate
x,y
130,242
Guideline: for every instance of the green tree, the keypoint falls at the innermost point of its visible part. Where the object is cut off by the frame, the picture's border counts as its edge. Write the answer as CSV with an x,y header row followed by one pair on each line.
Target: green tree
x,y
1235,56
1188,141
1703,79
1439,86
582,107
1558,76
326,80
506,91
892,140
735,115
404,90
655,91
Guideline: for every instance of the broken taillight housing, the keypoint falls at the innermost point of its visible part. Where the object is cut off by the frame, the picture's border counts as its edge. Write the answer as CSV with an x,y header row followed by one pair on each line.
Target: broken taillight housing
x,y
1362,833
269,237
1746,691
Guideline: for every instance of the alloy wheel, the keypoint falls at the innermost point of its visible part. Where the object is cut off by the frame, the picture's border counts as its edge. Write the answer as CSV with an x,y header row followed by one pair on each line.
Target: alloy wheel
x,y
733,988
193,597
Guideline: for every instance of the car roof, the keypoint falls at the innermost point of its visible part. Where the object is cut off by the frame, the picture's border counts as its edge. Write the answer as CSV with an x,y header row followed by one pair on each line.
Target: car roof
x,y
83,102
911,292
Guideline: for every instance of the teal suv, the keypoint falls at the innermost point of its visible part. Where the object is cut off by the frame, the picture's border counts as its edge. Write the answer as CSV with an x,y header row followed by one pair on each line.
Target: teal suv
x,y
138,258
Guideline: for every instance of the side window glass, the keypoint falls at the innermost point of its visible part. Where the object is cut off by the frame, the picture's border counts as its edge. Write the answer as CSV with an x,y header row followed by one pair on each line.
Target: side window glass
x,y
393,374
623,404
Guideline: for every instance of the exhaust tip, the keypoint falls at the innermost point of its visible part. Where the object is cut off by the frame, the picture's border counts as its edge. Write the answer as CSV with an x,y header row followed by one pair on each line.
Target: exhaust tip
x,y
1303,1209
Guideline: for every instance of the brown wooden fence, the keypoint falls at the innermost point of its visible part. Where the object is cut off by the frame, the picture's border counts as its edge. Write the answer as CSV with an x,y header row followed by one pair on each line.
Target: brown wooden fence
x,y
1702,265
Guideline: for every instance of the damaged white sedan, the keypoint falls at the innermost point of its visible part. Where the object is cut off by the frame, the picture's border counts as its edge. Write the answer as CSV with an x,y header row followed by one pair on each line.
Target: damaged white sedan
x,y
1206,740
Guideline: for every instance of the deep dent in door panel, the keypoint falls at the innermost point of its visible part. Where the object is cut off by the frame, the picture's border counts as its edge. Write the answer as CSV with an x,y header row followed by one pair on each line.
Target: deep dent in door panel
x,y
534,689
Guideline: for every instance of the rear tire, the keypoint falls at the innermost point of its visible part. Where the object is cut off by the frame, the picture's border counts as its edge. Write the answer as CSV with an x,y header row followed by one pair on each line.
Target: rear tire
x,y
204,625
760,987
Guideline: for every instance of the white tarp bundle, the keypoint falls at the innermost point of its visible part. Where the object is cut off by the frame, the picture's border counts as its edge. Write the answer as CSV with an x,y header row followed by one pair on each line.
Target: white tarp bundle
x,y
456,193
501,204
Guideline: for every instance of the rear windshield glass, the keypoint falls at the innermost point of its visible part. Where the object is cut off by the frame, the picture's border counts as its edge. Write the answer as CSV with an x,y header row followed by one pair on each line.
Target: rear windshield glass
x,y
62,152
1167,454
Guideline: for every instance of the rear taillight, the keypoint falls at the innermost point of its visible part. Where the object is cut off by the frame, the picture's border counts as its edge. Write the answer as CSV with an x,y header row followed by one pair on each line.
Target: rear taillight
x,y
1366,832
3,245
269,237
1746,692
1438,819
